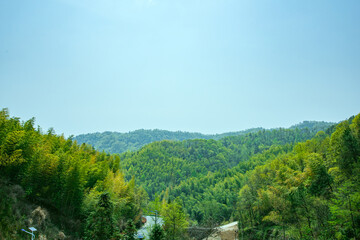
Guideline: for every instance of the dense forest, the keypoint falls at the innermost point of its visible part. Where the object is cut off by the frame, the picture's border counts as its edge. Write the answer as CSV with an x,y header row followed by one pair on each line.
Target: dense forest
x,y
313,192
297,183
60,187
114,142
167,163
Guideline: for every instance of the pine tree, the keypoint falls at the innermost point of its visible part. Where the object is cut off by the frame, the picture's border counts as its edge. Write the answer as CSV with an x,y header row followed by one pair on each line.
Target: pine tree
x,y
130,231
100,223
157,233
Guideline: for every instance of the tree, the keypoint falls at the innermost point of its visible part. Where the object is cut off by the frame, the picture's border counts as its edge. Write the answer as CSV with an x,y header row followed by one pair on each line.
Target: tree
x,y
157,233
344,208
10,152
343,148
100,223
175,220
130,231
320,180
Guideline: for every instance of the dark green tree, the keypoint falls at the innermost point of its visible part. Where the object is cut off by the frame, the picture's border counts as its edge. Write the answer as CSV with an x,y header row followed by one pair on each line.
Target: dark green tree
x,y
130,231
100,223
343,148
157,233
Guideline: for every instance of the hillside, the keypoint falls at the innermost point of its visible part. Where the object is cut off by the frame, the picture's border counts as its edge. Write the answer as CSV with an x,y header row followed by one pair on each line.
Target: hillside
x,y
59,187
305,190
195,169
277,184
159,165
312,192
115,142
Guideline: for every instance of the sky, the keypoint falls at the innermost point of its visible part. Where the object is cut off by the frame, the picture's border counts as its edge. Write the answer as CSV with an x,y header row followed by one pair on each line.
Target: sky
x,y
214,66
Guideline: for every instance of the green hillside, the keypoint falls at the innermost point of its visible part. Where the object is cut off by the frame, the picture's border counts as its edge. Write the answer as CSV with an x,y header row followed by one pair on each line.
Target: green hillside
x,y
291,183
114,142
285,190
162,164
313,192
61,188
190,168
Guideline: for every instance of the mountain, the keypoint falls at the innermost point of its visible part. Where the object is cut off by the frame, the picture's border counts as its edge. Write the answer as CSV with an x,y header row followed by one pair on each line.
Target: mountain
x,y
185,168
291,183
115,142
282,183
314,126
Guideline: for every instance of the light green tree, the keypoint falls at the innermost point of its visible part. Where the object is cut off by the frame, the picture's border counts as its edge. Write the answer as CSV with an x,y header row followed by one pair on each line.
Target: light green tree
x,y
175,220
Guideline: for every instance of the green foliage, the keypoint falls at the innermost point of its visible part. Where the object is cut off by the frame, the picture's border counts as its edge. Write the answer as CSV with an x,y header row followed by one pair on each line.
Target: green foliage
x,y
313,126
100,223
175,220
130,231
206,174
157,233
114,142
16,213
6,212
344,147
312,192
284,183
64,177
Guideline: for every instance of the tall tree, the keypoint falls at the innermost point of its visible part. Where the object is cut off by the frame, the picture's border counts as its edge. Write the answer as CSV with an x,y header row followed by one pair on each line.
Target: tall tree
x,y
175,220
100,222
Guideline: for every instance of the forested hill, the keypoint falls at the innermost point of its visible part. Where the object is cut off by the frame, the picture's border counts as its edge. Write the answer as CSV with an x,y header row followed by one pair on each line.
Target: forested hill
x,y
61,188
279,189
115,142
278,184
314,126
164,164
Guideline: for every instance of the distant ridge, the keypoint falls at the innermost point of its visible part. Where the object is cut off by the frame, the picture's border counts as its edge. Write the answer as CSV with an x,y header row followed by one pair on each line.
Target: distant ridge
x,y
115,142
314,126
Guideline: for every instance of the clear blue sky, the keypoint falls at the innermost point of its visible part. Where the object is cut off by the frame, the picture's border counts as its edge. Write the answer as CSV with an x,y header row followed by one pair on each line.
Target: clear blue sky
x,y
209,66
